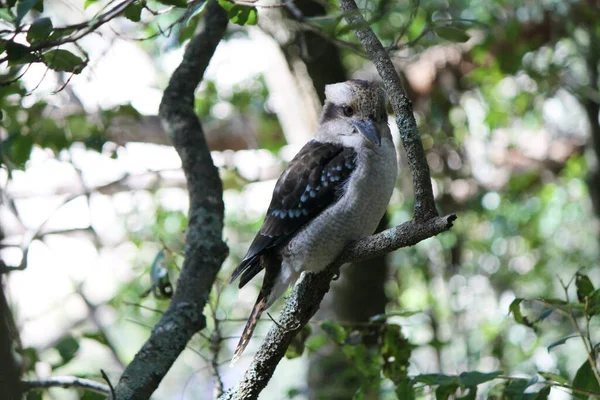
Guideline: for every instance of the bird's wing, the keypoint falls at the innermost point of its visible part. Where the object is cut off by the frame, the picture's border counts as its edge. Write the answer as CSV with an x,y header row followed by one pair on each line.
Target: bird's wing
x,y
312,181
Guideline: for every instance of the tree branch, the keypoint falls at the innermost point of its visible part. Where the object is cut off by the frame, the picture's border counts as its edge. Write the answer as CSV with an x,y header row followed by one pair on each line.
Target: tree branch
x,y
66,382
306,296
205,249
304,300
402,106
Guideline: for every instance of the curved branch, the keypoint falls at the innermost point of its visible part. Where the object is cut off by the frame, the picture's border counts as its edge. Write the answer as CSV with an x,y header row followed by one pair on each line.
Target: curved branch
x,y
66,382
205,250
304,300
402,106
405,235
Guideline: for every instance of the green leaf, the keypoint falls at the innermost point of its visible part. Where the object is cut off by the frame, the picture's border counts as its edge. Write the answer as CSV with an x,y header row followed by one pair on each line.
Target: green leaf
x,y
67,348
89,395
88,3
127,110
515,309
97,336
60,33
64,61
359,395
585,380
437,379
315,342
549,376
395,352
405,390
335,331
560,341
23,7
34,395
293,392
584,286
475,378
471,395
39,30
78,126
176,3
452,34
6,15
296,348
496,392
240,15
443,392
516,387
134,11
19,148
17,54
39,6
543,394
594,303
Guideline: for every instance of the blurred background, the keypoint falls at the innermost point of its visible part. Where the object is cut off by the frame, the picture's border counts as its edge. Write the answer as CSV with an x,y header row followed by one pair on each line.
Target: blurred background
x,y
93,214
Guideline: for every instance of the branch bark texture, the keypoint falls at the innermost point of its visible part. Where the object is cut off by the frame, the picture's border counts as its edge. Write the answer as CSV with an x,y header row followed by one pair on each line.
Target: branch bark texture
x,y
306,296
205,250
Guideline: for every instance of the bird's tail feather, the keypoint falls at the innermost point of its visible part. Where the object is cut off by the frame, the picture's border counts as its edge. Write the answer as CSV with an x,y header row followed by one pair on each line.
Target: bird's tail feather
x,y
244,265
259,307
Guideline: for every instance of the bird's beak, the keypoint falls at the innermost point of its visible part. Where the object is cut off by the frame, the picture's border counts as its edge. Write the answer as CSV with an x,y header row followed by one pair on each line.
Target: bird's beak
x,y
369,130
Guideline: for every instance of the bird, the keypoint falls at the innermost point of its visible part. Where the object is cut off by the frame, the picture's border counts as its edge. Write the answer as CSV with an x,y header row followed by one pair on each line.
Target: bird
x,y
335,190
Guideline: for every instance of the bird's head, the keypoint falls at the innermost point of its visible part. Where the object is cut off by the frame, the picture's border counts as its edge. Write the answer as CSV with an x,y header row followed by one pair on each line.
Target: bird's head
x,y
354,114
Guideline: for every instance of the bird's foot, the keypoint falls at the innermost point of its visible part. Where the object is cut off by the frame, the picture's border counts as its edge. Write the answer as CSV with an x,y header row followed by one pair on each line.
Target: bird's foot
x,y
293,328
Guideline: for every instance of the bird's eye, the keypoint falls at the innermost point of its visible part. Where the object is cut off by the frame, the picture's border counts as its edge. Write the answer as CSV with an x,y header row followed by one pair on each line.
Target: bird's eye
x,y
348,111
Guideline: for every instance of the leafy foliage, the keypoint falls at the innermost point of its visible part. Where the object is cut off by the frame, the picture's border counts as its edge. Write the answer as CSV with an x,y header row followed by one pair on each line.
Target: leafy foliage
x,y
489,289
240,14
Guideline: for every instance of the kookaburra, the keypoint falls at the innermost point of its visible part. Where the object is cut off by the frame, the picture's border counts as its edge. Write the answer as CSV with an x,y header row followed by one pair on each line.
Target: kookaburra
x,y
335,190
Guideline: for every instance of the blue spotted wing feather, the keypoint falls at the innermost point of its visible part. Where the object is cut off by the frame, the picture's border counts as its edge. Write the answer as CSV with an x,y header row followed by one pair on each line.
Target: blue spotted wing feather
x,y
314,180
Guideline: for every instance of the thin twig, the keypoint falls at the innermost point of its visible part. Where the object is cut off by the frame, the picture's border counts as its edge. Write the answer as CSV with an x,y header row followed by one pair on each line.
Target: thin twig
x,y
588,351
66,382
129,303
110,385
216,340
